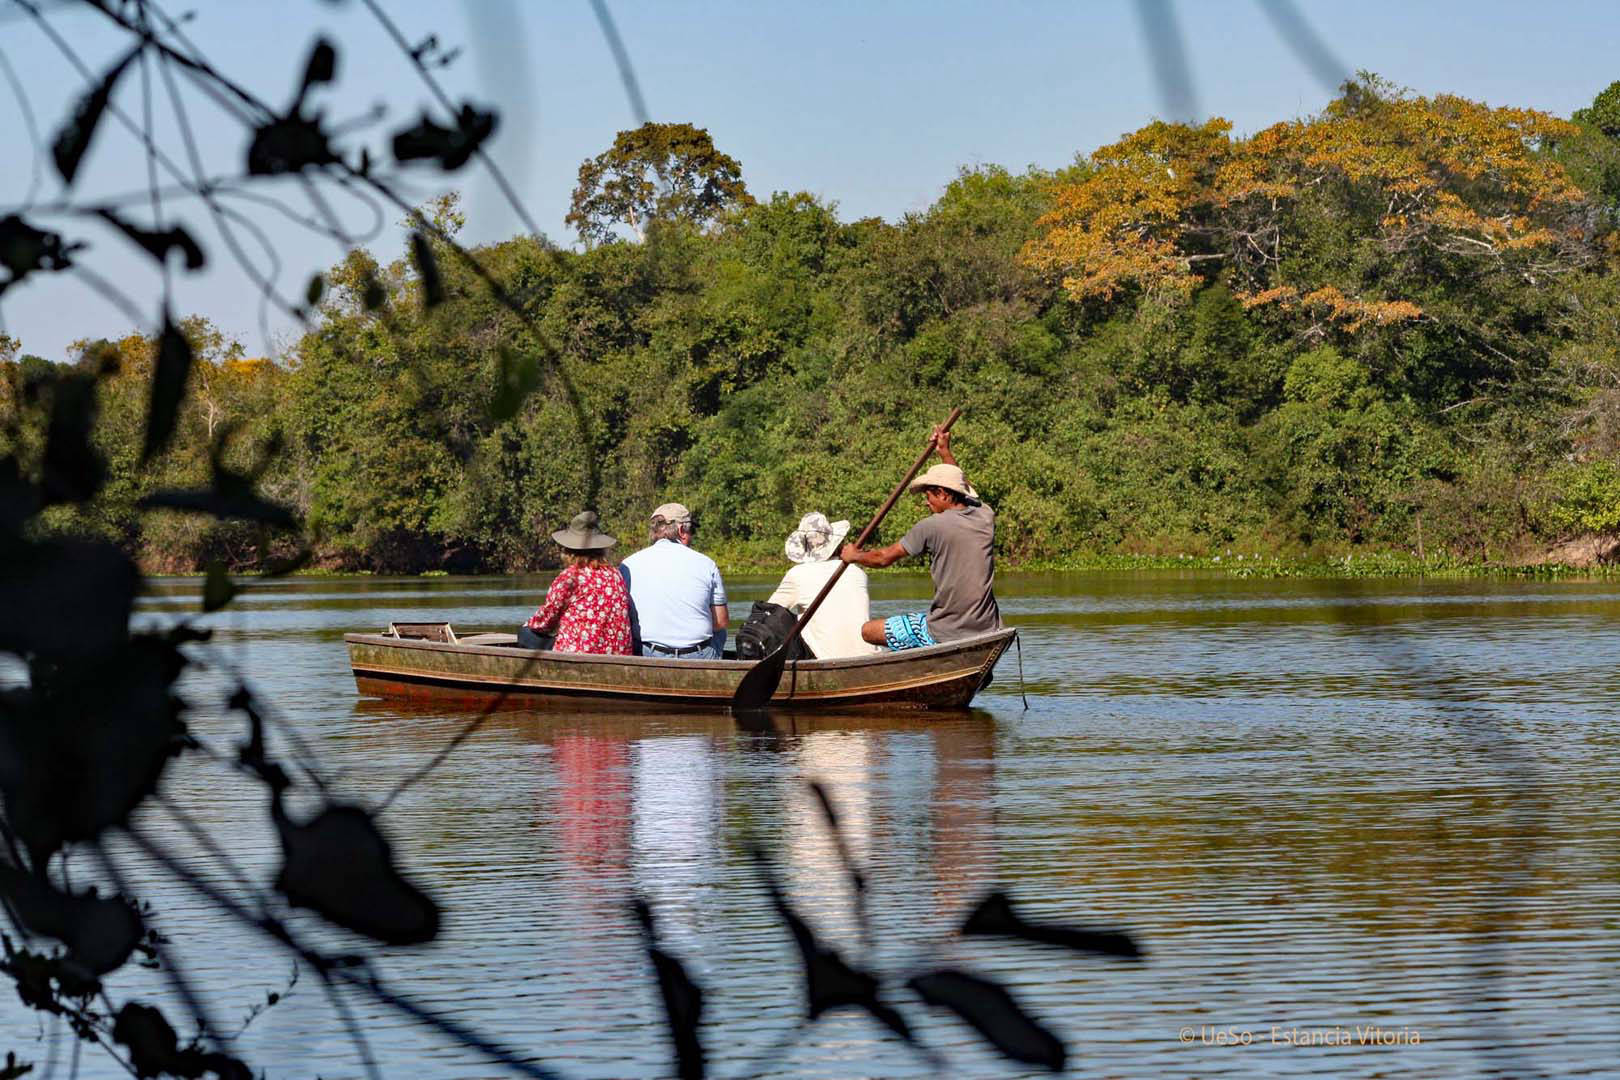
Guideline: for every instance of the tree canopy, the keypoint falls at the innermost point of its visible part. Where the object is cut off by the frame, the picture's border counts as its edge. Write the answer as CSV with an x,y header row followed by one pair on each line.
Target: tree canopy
x,y
1303,340
654,173
1417,182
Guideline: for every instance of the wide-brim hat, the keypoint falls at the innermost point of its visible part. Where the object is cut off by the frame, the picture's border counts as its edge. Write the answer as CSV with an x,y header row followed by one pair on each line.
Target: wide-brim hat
x,y
816,538
944,476
582,534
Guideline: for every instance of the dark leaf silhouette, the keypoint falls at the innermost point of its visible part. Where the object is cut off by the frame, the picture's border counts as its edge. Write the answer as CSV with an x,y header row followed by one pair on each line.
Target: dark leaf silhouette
x,y
683,999
515,379
169,376
25,249
994,1014
857,879
96,733
450,147
830,983
321,68
315,290
73,139
217,588
159,244
426,47
154,1049
65,599
100,933
289,144
428,268
19,500
375,295
995,916
225,505
151,1040
251,754
282,566
230,497
35,974
340,865
72,470
185,633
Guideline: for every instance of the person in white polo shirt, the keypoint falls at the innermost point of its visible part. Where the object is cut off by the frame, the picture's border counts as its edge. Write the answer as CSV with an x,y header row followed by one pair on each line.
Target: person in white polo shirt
x,y
677,600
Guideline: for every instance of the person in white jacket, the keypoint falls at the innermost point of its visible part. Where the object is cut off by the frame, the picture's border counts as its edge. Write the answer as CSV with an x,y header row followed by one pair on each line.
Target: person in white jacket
x,y
836,629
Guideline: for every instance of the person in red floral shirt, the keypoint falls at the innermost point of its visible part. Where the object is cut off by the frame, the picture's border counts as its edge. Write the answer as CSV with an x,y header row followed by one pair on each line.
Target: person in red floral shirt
x,y
587,606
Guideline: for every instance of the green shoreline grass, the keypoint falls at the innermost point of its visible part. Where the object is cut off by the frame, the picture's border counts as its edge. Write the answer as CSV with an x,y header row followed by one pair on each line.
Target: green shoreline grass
x,y
1246,566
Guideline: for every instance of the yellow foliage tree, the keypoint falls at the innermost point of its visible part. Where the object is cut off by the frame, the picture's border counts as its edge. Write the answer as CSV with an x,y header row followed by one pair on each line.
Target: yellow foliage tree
x,y
1171,205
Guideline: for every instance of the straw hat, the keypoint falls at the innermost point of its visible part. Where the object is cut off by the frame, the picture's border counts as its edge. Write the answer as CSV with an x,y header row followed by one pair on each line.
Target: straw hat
x,y
581,534
945,476
816,538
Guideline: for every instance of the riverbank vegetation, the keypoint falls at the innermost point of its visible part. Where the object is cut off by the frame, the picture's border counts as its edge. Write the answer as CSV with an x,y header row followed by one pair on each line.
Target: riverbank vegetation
x,y
1391,329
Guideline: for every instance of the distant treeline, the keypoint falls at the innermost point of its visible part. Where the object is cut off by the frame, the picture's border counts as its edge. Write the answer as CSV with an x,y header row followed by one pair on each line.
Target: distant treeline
x,y
1399,315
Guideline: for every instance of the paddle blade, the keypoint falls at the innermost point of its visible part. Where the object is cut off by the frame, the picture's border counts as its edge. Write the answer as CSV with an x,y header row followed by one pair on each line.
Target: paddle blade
x,y
760,683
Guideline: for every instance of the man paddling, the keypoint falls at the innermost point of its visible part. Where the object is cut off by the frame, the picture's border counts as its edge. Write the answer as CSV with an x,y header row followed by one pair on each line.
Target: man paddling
x,y
959,535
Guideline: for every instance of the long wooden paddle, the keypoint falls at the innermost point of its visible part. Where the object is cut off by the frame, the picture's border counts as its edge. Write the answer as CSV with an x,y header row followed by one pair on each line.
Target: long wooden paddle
x,y
761,681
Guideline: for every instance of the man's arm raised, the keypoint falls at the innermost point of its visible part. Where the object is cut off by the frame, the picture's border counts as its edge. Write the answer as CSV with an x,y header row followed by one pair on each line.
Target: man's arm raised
x,y
877,558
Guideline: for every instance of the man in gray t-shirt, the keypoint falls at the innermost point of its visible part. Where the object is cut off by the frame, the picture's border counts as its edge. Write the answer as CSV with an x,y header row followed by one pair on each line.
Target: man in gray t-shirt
x,y
959,535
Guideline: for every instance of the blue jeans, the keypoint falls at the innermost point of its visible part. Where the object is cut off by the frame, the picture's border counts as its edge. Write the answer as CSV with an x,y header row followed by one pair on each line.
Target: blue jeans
x,y
713,649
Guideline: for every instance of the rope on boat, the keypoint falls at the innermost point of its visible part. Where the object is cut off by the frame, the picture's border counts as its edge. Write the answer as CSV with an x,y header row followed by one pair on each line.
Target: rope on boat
x,y
1018,640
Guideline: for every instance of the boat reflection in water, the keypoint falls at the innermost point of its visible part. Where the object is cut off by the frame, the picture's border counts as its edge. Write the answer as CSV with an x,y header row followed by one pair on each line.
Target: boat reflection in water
x,y
675,822
669,807
669,804
915,807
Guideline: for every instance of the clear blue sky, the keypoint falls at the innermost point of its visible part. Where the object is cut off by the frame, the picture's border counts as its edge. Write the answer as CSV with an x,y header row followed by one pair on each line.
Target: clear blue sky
x,y
872,105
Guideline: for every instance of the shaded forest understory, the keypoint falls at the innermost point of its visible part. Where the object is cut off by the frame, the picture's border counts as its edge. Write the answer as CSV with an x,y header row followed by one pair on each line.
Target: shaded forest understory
x,y
1392,325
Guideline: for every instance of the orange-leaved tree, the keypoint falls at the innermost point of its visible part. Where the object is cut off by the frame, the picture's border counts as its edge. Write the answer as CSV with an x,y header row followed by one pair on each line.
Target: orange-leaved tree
x,y
1338,217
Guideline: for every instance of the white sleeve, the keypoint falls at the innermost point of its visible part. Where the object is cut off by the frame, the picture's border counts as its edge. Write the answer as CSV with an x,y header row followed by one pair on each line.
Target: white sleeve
x,y
787,593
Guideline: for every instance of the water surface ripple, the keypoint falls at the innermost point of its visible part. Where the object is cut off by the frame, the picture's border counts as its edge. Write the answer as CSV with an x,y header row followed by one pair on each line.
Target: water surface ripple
x,y
1321,807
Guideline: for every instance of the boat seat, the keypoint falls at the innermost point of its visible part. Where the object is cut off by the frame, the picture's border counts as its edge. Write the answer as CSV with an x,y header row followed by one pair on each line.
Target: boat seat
x,y
488,639
422,631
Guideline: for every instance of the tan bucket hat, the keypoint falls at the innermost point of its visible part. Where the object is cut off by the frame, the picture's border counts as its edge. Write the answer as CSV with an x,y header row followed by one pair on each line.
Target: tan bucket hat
x,y
674,513
816,538
944,476
582,535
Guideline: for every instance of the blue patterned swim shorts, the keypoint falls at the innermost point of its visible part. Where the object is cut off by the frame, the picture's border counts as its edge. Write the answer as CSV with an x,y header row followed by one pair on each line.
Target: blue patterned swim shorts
x,y
909,631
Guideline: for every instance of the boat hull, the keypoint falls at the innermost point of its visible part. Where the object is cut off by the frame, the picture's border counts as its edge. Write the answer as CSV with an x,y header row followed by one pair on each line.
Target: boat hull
x,y
487,668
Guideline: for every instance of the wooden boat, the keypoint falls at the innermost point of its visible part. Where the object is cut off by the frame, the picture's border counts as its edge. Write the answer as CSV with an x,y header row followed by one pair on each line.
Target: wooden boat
x,y
428,661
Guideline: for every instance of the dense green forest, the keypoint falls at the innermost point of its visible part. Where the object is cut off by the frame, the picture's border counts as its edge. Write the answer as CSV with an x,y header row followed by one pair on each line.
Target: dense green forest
x,y
1399,318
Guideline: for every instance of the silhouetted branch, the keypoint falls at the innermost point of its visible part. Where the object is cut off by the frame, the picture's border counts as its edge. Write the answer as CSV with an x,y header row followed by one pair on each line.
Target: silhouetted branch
x,y
621,59
444,99
1168,52
36,170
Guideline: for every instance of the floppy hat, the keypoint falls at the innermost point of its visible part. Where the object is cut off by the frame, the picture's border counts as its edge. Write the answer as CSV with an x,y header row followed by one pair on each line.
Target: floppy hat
x,y
674,513
944,476
581,534
816,538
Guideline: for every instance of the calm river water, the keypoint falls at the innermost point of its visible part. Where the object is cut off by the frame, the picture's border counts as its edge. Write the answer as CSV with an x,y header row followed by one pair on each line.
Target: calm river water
x,y
1320,807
